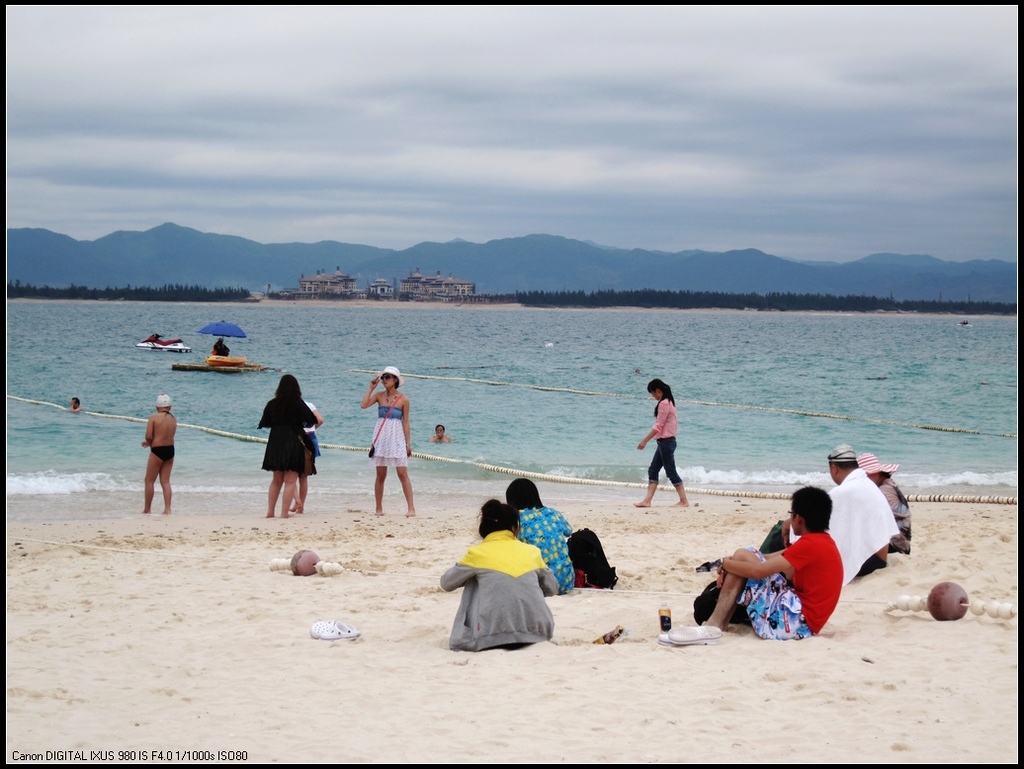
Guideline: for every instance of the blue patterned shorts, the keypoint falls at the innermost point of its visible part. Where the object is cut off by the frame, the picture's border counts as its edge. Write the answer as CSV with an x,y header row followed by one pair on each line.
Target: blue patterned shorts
x,y
773,606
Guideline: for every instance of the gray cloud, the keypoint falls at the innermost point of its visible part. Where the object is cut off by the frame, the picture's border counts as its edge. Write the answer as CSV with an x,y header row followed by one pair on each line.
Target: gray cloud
x,y
811,133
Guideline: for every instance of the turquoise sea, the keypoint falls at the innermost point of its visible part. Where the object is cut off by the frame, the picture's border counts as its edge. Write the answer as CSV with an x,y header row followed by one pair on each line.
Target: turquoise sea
x,y
548,391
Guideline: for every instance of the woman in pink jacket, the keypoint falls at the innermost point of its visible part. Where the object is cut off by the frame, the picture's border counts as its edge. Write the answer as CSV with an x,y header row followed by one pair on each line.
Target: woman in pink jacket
x,y
664,431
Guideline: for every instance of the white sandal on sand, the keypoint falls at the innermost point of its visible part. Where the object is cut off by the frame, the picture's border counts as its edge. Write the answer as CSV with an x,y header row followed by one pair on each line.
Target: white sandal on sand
x,y
691,636
332,630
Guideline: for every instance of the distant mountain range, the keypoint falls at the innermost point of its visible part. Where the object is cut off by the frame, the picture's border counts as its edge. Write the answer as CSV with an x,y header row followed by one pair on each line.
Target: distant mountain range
x,y
180,255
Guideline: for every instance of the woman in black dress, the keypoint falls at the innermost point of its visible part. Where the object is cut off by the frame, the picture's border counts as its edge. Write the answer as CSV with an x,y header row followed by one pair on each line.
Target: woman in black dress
x,y
286,416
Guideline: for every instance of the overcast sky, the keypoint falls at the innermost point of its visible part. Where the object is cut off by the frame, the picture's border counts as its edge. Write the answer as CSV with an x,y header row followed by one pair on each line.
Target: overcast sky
x,y
816,133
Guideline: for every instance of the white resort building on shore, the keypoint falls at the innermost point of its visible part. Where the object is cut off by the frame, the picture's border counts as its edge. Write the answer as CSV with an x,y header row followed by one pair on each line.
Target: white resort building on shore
x,y
323,284
380,288
434,287
416,287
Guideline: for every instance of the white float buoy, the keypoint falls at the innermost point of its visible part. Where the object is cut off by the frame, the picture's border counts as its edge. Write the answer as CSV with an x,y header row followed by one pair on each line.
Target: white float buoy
x,y
949,601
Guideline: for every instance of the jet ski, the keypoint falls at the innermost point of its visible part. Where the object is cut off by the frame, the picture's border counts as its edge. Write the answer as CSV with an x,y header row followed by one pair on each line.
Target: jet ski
x,y
154,342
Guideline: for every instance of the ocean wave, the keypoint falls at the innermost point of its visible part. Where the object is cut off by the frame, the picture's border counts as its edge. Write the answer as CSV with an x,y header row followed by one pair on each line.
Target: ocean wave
x,y
926,481
52,482
455,478
698,475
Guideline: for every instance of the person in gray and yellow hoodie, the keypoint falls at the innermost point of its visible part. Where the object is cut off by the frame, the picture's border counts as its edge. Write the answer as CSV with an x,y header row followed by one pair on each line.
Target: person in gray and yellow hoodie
x,y
505,582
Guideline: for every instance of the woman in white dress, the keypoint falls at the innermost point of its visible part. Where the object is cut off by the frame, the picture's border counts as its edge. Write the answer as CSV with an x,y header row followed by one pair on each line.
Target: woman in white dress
x,y
392,444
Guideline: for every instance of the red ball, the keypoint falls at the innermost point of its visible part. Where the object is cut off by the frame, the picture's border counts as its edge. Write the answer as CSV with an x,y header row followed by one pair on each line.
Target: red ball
x,y
947,601
304,563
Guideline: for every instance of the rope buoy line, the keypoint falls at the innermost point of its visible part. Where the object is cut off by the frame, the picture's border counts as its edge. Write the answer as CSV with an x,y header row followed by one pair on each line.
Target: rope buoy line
x,y
947,498
126,551
498,383
375,573
795,412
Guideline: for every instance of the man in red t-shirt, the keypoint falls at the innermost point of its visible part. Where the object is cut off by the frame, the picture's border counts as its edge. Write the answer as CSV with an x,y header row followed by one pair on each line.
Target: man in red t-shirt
x,y
790,594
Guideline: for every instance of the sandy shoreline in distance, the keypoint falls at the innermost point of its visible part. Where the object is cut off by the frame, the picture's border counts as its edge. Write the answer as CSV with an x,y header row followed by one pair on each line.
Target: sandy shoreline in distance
x,y
173,634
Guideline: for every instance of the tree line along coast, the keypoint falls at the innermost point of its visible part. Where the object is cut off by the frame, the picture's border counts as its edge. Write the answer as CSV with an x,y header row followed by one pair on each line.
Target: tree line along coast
x,y
645,299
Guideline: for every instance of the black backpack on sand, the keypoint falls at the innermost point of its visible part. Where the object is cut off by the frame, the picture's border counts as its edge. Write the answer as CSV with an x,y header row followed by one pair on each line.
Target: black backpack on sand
x,y
588,559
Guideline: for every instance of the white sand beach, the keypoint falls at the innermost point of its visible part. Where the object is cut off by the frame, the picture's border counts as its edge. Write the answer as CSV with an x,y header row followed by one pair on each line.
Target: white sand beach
x,y
172,634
